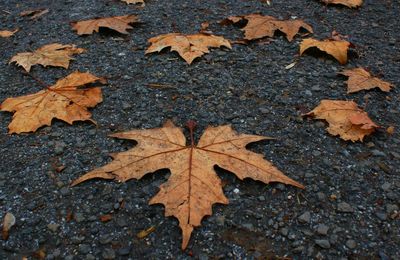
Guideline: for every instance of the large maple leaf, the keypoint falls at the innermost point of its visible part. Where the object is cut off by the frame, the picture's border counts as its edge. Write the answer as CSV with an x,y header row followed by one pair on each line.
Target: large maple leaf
x,y
336,48
189,47
193,186
348,3
64,101
54,54
259,26
360,79
117,23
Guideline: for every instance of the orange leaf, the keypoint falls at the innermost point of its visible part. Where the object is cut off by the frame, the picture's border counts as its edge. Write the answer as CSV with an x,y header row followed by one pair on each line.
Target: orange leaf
x,y
6,34
259,26
55,54
189,47
345,119
193,186
64,101
338,49
117,23
360,79
34,14
105,218
8,222
348,3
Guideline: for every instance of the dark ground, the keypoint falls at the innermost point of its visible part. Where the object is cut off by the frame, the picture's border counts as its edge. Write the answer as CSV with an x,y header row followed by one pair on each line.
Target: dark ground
x,y
247,87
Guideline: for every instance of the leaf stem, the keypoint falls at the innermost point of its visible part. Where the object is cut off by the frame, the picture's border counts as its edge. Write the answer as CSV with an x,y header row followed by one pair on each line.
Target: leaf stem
x,y
191,125
37,80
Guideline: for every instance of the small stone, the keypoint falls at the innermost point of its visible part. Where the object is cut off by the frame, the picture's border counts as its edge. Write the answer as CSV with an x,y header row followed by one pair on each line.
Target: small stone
x,y
90,257
108,253
381,215
84,248
220,220
284,231
378,153
261,198
53,227
64,191
203,256
323,243
69,257
316,153
351,244
121,222
124,250
59,147
105,239
79,217
236,191
305,217
345,207
56,253
391,208
386,186
322,229
321,196
248,226
298,249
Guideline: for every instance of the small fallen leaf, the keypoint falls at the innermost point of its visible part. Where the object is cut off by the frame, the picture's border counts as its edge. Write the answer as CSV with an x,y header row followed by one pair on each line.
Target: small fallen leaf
x,y
105,218
348,3
6,34
144,233
55,54
64,101
193,186
8,222
338,49
259,26
390,130
345,119
360,79
189,47
134,2
117,23
204,28
34,14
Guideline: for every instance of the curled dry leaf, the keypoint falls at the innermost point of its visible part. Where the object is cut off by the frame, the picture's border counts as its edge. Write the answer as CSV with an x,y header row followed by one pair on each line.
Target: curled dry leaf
x,y
134,2
34,14
8,222
259,26
338,49
55,54
117,23
360,79
345,119
7,34
64,101
193,186
348,3
189,47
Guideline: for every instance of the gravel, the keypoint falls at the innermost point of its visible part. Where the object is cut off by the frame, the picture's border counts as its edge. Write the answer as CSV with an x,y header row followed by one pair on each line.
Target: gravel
x,y
350,207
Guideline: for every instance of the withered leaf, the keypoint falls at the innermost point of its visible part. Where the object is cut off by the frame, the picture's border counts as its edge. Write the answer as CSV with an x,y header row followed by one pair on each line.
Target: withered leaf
x,y
34,14
6,33
8,222
348,3
193,186
117,23
259,26
189,47
55,54
134,2
338,49
360,79
64,101
345,119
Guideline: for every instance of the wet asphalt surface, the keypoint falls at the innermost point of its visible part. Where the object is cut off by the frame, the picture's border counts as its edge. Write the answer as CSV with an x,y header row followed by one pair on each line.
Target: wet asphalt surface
x,y
350,207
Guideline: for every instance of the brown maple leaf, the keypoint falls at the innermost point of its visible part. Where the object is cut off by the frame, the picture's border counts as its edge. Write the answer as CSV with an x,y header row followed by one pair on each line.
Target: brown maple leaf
x,y
117,23
34,14
64,101
259,26
55,54
6,33
193,186
360,79
338,49
345,119
189,47
348,3
141,2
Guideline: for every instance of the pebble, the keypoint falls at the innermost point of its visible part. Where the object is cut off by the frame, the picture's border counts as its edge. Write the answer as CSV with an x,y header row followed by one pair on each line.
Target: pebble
x,y
386,186
59,147
53,227
121,222
322,229
284,231
108,253
90,257
321,196
248,226
351,244
323,243
345,207
84,248
124,250
79,217
220,220
64,191
305,217
378,153
105,239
